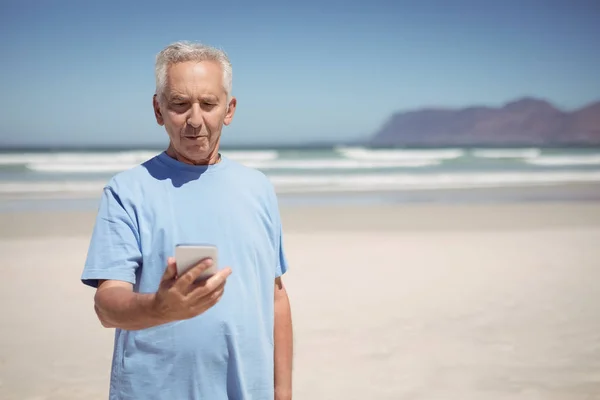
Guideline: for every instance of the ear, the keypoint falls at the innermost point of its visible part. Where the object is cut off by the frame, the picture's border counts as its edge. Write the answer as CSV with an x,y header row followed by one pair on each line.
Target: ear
x,y
157,112
230,111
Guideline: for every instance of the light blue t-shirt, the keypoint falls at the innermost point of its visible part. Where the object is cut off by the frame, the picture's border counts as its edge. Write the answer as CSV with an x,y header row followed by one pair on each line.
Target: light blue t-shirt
x,y
226,352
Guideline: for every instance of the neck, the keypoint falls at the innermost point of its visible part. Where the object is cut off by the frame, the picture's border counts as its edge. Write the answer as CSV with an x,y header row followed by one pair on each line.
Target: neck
x,y
213,158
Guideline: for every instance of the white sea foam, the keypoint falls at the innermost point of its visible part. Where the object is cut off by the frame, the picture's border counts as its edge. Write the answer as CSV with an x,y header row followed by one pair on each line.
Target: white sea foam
x,y
506,153
112,157
79,162
125,157
77,168
381,182
251,155
566,160
353,182
22,187
332,163
98,162
361,153
260,161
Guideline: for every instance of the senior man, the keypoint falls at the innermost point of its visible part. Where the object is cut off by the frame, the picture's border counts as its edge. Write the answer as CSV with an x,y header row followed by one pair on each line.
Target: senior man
x,y
228,337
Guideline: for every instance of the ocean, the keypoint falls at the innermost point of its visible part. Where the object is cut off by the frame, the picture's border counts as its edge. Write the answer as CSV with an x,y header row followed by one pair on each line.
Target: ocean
x,y
336,174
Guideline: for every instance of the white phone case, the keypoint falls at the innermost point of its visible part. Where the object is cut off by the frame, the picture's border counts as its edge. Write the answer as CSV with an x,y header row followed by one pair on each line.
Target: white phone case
x,y
188,255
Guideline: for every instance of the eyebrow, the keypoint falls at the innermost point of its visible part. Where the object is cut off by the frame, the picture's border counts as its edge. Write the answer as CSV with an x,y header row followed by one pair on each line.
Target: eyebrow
x,y
177,97
204,97
209,97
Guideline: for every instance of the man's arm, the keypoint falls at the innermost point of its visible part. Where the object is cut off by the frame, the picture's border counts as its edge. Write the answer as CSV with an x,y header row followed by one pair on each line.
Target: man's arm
x,y
177,298
118,306
283,343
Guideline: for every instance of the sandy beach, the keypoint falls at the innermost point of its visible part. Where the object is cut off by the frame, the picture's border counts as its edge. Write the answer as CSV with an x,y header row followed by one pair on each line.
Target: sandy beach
x,y
429,302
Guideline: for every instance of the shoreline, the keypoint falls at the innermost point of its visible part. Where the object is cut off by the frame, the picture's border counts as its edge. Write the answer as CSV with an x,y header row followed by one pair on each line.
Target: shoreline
x,y
334,218
574,193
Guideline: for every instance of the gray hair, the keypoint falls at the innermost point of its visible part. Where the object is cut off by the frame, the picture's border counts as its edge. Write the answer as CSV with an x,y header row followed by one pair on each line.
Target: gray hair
x,y
187,51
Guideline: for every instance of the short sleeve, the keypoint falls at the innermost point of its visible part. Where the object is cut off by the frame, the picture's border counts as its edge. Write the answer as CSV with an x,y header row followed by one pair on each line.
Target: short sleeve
x,y
114,250
281,264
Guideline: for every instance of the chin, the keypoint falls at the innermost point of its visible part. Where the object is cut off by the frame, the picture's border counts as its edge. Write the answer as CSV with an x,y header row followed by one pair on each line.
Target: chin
x,y
201,150
197,152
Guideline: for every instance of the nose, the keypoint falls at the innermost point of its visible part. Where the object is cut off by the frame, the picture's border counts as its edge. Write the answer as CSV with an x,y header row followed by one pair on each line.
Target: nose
x,y
195,116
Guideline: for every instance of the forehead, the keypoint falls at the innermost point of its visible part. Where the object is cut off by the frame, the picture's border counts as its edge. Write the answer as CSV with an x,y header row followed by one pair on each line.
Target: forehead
x,y
195,78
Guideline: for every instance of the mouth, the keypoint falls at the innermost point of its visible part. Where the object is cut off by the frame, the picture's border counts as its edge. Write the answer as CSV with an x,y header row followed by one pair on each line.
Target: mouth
x,y
194,137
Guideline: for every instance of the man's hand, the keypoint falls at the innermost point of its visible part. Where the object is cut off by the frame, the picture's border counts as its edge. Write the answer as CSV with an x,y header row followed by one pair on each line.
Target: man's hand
x,y
177,298
181,297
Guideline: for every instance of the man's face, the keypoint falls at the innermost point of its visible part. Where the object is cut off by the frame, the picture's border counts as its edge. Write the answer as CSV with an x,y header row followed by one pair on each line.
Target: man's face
x,y
193,110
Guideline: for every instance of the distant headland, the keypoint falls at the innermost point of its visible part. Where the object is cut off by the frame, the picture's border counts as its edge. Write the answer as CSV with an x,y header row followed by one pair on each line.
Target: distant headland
x,y
522,122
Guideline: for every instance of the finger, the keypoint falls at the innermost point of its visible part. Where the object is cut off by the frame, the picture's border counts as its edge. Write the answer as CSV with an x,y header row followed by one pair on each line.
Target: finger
x,y
171,270
208,302
193,273
216,297
211,284
201,290
213,298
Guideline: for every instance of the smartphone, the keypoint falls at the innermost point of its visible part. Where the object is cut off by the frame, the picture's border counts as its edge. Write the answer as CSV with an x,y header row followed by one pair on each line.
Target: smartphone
x,y
189,255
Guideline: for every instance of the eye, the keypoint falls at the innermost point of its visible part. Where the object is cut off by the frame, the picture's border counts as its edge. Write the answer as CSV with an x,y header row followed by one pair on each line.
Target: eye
x,y
178,105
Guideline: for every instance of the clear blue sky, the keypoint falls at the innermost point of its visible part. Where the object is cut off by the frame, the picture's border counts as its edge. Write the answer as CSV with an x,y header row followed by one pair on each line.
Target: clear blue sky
x,y
79,72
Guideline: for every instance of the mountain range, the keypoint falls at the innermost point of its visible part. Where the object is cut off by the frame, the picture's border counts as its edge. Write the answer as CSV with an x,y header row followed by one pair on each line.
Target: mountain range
x,y
523,122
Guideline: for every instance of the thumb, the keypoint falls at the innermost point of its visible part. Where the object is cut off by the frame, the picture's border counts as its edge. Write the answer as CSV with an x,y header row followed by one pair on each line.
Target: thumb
x,y
171,270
